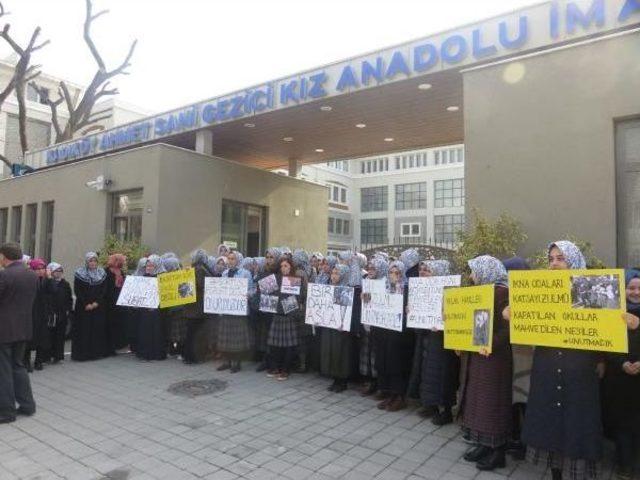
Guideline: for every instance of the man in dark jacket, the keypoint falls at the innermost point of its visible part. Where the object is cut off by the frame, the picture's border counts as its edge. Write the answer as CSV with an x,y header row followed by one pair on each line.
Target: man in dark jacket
x,y
18,288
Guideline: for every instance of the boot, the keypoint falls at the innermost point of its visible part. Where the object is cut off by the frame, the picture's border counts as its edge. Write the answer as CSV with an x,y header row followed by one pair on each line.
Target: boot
x,y
428,412
442,418
369,389
477,453
397,404
495,459
385,403
236,367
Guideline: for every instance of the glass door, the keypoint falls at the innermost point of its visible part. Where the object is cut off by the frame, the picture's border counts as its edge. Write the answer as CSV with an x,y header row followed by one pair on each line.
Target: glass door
x,y
243,227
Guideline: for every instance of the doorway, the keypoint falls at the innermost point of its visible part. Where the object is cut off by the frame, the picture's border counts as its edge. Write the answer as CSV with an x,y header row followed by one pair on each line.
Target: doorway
x,y
628,192
244,227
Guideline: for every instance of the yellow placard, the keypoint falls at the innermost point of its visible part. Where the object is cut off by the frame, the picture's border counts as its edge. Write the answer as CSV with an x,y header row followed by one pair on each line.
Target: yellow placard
x,y
579,309
177,288
468,318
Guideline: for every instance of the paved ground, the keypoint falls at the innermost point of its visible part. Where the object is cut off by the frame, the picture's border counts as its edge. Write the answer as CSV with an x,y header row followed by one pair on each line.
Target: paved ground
x,y
116,419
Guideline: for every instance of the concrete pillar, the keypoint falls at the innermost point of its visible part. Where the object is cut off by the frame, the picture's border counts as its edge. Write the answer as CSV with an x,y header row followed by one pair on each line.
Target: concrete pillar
x,y
204,142
294,167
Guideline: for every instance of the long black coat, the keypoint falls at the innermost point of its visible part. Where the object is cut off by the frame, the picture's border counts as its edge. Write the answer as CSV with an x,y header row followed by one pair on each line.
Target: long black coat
x,y
116,316
89,338
18,287
42,310
61,302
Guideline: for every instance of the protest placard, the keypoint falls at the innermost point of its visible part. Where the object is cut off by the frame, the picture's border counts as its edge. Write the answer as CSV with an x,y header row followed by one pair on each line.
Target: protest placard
x,y
289,304
329,306
268,284
579,309
468,318
139,292
383,309
268,303
291,285
177,288
425,301
226,296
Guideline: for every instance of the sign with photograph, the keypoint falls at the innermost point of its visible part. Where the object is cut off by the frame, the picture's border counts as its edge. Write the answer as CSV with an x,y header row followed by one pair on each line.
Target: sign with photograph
x,y
268,303
468,318
226,296
268,284
425,301
291,285
579,309
289,304
139,292
383,309
329,306
177,288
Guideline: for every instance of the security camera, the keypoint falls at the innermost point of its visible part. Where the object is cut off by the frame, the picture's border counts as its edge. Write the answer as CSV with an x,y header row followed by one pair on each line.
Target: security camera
x,y
99,184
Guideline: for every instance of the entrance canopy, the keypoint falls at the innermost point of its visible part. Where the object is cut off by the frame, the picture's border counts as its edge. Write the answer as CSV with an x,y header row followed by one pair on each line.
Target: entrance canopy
x,y
403,97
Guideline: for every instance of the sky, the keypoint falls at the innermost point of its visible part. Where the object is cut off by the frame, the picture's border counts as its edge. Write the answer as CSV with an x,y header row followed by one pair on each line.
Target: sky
x,y
190,50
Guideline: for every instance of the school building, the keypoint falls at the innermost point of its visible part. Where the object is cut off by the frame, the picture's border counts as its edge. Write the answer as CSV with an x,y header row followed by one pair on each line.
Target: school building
x,y
544,101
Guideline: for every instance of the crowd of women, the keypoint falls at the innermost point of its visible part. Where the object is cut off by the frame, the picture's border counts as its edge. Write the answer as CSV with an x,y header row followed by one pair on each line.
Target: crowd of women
x,y
546,404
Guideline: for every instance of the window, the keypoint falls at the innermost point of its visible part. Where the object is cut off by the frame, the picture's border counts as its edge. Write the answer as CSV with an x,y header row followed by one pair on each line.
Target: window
x,y
436,157
30,230
397,163
16,224
447,226
449,193
342,165
345,227
337,194
332,225
411,196
362,167
46,239
373,231
4,224
126,221
373,199
410,229
338,226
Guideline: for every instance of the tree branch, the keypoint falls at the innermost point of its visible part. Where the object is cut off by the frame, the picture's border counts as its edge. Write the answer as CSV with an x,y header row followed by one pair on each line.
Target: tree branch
x,y
87,35
5,160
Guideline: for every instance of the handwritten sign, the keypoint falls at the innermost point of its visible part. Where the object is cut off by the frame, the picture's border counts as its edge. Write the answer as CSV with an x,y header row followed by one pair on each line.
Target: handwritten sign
x,y
268,284
468,318
139,292
177,288
425,301
226,296
579,309
329,306
383,310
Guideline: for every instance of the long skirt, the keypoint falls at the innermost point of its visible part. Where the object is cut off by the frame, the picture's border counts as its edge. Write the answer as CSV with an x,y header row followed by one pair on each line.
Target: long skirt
x,y
335,353
234,335
367,355
89,341
283,331
152,335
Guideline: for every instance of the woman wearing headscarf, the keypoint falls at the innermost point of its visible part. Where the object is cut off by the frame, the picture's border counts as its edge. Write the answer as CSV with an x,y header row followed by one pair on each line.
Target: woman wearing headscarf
x,y
435,372
302,269
152,332
336,346
234,335
410,258
284,338
621,389
89,339
40,341
263,319
485,397
60,312
522,362
562,425
116,272
326,266
377,269
173,317
131,315
194,312
394,350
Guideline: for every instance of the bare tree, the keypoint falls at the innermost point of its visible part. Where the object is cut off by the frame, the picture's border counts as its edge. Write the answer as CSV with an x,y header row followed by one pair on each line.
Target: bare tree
x,y
23,73
81,115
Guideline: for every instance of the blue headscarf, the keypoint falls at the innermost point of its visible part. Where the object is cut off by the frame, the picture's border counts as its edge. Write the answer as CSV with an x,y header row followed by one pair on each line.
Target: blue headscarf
x,y
156,261
324,278
438,268
140,268
487,270
572,254
399,287
343,270
410,258
629,275
199,257
170,264
381,266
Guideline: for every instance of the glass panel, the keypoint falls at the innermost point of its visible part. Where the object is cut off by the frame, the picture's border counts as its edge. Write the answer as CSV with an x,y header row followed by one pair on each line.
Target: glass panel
x,y
16,224
4,224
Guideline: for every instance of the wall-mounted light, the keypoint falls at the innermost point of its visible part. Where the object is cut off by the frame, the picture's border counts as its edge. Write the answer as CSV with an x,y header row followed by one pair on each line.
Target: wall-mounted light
x,y
296,212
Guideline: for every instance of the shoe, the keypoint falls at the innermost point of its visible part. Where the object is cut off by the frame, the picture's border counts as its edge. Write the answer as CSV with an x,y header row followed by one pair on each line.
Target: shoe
x,y
333,386
273,373
340,387
428,412
477,453
516,449
236,368
442,418
282,377
369,389
495,459
261,367
624,473
383,404
37,366
223,367
381,395
466,438
7,419
397,404
25,412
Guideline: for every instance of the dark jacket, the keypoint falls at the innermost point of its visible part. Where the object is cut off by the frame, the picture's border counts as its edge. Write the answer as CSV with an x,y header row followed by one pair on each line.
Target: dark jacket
x,y
18,287
195,311
42,311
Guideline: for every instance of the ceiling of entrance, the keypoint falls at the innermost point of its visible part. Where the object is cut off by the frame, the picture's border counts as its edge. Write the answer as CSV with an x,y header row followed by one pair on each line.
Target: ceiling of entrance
x,y
408,114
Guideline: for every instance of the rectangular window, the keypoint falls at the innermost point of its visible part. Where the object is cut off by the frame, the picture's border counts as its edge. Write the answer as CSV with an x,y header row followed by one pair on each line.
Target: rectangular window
x,y
373,199
411,196
16,224
4,224
126,219
436,157
332,225
362,166
368,167
386,164
375,166
345,227
338,226
446,227
397,163
409,229
449,193
373,231
30,229
343,195
46,229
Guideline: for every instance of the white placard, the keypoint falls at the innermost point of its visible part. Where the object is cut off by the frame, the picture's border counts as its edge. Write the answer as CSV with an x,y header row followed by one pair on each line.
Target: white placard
x,y
383,310
226,296
139,292
329,306
291,285
425,301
